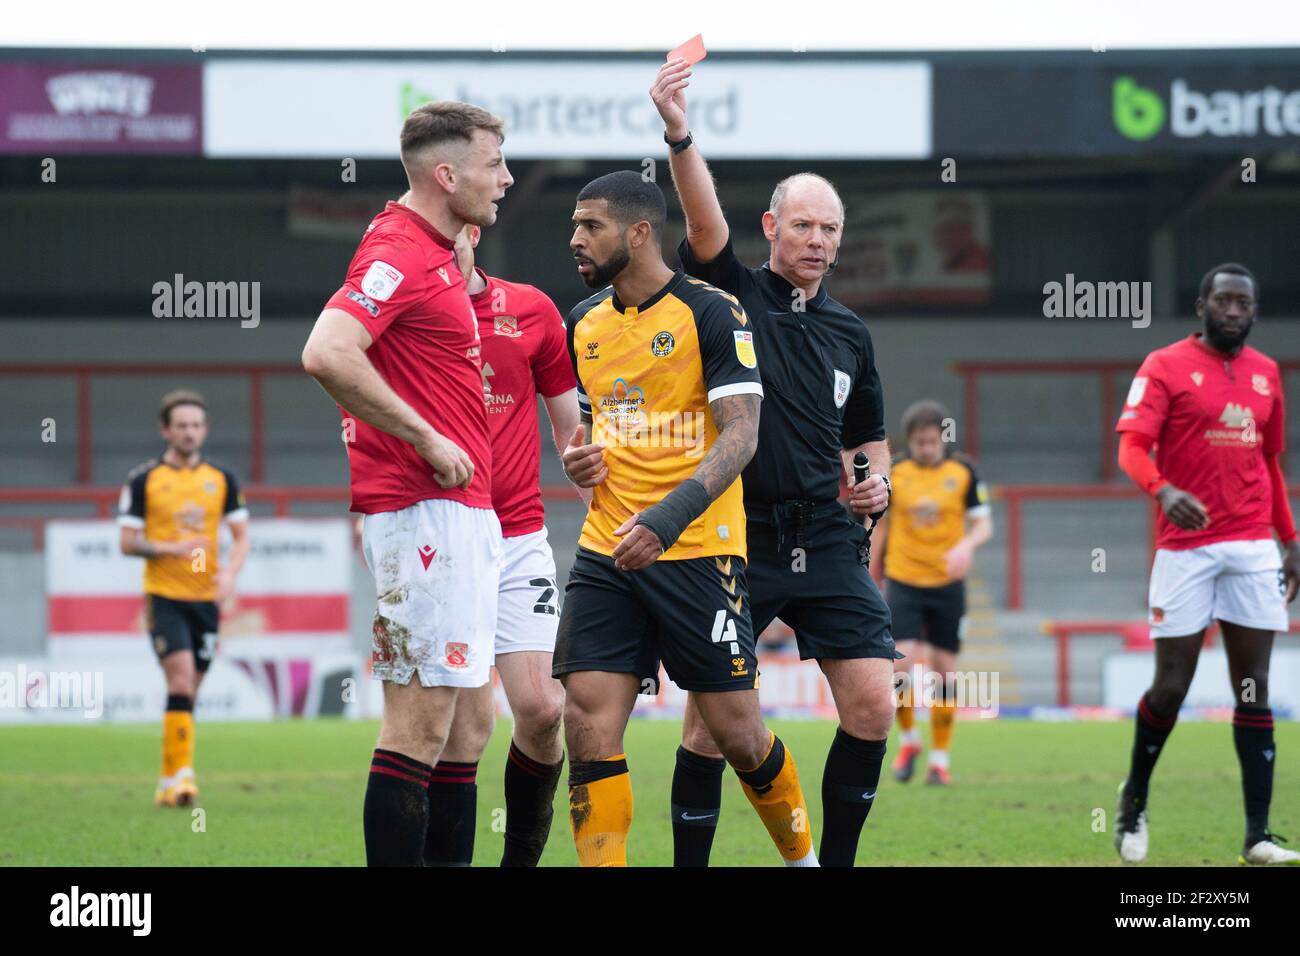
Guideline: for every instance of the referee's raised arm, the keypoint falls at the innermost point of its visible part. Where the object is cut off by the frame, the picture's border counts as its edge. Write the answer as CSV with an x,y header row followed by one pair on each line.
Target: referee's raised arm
x,y
706,227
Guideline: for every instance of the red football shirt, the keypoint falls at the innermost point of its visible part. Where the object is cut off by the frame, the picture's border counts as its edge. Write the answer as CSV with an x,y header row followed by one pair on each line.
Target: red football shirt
x,y
404,287
1214,419
524,355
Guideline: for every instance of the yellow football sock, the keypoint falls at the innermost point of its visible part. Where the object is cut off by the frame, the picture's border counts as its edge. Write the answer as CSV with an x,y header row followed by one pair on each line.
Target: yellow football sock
x,y
906,717
773,789
600,810
942,718
177,742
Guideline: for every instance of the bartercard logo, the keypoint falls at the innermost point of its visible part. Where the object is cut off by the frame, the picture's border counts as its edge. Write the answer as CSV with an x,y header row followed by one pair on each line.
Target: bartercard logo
x,y
73,909
1140,114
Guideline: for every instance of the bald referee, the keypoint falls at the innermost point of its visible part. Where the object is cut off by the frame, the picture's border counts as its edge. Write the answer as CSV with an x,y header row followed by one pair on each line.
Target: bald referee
x,y
822,405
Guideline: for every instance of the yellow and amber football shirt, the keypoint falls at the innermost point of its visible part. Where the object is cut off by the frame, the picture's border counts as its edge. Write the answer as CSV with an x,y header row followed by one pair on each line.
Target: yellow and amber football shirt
x,y
928,509
172,504
646,375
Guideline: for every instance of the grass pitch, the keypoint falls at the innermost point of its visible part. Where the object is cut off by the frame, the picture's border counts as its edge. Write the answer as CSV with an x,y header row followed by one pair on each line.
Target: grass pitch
x,y
290,794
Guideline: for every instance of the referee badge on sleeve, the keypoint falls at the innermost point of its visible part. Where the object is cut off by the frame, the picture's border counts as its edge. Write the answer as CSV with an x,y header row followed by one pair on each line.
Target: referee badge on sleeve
x,y
745,348
842,382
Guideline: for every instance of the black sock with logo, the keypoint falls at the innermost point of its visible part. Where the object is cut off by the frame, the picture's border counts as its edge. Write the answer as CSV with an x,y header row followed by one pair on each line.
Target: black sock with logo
x,y
696,806
1252,733
848,790
1151,732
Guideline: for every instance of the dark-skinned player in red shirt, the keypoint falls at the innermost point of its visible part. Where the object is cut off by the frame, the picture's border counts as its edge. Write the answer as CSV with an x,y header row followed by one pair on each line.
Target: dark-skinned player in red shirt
x,y
1213,407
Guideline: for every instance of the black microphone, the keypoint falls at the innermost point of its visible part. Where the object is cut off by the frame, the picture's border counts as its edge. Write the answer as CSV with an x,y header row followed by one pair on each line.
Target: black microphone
x,y
830,269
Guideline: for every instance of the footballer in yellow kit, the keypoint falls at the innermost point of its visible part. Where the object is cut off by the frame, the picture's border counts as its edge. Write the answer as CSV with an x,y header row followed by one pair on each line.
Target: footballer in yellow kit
x,y
939,515
171,511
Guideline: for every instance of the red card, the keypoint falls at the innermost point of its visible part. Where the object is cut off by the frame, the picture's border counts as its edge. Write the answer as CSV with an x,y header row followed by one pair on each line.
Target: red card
x,y
692,51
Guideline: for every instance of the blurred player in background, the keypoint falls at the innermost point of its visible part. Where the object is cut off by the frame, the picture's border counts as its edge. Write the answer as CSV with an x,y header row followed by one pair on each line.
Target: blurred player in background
x,y
669,391
398,348
823,404
524,355
170,513
1213,406
940,514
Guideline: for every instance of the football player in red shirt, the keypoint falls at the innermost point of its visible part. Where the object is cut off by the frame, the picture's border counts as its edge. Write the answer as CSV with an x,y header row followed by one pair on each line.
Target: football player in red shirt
x,y
1213,407
398,348
524,355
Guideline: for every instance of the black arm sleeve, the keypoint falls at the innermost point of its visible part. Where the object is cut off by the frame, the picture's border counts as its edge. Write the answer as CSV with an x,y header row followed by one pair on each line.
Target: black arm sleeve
x,y
234,497
726,338
131,503
864,412
977,493
570,324
724,270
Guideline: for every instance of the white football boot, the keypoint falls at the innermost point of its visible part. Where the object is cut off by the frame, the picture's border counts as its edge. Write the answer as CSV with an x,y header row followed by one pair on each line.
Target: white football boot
x,y
1130,828
1267,853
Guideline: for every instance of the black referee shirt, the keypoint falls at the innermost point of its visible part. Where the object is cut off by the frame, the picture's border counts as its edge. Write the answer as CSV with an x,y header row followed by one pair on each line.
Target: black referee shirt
x,y
821,392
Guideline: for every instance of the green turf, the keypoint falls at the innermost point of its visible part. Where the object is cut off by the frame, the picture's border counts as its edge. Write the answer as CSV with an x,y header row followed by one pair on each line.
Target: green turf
x,y
290,793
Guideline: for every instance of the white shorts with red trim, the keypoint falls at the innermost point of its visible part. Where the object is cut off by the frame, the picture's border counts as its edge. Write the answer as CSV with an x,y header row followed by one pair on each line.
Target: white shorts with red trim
x,y
1240,582
437,567
528,607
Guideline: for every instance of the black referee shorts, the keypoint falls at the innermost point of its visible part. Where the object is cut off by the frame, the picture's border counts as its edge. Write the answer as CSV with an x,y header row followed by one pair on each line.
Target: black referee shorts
x,y
932,615
183,626
693,614
806,567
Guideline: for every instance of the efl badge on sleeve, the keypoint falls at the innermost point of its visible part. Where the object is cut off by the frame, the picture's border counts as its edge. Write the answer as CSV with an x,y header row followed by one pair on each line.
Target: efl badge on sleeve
x,y
1136,391
745,348
381,281
842,382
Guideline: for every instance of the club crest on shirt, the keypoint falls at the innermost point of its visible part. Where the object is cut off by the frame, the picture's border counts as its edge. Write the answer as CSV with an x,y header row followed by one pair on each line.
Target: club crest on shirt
x,y
1198,378
507,325
457,655
662,344
1259,383
842,382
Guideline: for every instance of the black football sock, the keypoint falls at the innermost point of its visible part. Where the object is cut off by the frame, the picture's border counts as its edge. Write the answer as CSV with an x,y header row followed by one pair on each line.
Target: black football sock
x,y
1252,732
396,812
696,806
530,805
1148,742
453,805
848,790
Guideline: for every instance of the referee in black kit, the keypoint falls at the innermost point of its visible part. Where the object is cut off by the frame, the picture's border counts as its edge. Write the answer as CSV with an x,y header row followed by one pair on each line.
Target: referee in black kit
x,y
822,404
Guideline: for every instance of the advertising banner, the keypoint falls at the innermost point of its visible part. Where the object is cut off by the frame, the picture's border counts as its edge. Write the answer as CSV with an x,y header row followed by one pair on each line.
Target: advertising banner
x,y
52,109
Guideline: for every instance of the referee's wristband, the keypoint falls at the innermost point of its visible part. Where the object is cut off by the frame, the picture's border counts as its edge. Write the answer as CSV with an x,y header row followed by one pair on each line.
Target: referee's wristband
x,y
679,508
681,144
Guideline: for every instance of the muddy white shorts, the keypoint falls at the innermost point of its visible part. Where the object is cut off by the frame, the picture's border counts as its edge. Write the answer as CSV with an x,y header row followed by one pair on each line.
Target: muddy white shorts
x,y
437,567
528,608
1240,582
